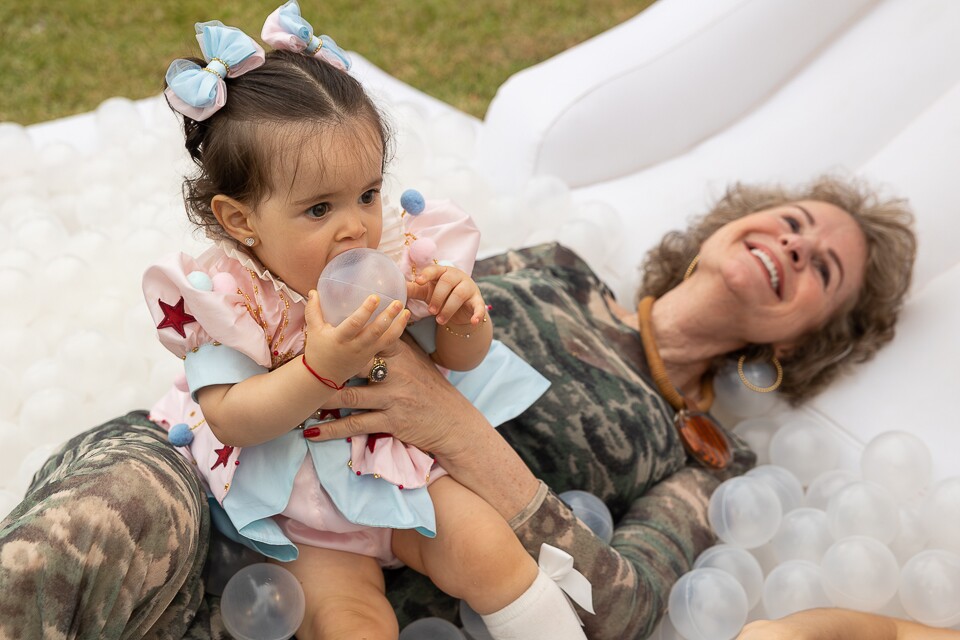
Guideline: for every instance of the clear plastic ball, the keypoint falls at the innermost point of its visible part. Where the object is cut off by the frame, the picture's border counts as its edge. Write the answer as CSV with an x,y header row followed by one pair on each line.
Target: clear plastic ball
x,y
804,534
262,601
431,629
666,631
15,284
940,515
88,355
863,508
859,572
43,235
11,398
784,483
736,397
592,511
50,409
795,585
899,461
757,433
744,512
17,152
805,448
224,559
740,564
930,588
912,537
707,604
473,626
607,218
352,276
826,484
586,238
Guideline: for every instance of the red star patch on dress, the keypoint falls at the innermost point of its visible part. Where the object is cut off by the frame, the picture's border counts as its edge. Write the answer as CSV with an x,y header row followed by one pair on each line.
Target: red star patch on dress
x,y
174,316
223,455
372,440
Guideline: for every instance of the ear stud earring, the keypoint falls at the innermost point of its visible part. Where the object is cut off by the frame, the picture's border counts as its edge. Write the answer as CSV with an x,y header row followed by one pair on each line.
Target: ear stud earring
x,y
250,241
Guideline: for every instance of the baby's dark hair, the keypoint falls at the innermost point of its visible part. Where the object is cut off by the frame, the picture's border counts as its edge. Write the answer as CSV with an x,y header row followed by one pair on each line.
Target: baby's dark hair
x,y
290,95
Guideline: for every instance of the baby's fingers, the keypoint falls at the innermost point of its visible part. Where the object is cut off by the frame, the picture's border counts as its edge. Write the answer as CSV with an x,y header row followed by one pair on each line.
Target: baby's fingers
x,y
459,296
356,321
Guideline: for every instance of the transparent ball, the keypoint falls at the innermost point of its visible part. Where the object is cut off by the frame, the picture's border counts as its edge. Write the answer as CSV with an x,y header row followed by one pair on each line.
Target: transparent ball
x,y
666,631
930,588
736,398
863,508
352,276
587,239
744,512
859,572
792,586
912,537
757,433
11,398
224,559
592,511
784,483
707,604
740,564
899,461
473,626
805,448
262,601
826,484
940,515
49,410
431,629
804,534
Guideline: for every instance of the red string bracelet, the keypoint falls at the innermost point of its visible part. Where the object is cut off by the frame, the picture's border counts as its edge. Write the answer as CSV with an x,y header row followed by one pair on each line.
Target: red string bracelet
x,y
326,381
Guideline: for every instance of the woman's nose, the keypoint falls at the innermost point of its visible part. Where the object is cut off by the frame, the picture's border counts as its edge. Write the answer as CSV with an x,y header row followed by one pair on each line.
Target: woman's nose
x,y
797,248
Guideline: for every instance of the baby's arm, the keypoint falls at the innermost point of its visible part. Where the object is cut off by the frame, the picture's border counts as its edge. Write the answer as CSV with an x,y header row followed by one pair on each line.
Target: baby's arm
x,y
268,405
464,328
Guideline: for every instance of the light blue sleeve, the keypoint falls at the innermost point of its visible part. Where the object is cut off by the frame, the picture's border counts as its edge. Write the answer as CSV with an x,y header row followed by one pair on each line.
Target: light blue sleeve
x,y
218,364
425,333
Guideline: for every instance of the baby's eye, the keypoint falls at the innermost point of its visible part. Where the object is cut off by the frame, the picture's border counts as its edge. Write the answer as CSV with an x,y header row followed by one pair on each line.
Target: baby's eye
x,y
318,210
794,224
369,197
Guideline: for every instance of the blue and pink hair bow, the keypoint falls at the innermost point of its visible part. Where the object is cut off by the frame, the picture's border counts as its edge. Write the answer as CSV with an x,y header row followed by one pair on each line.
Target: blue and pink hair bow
x,y
286,29
199,92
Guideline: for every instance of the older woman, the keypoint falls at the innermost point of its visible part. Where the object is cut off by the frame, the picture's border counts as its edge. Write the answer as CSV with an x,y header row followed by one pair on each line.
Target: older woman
x,y
813,277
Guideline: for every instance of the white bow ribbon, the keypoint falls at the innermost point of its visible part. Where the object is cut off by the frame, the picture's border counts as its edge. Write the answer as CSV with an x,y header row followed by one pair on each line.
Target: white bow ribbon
x,y
558,565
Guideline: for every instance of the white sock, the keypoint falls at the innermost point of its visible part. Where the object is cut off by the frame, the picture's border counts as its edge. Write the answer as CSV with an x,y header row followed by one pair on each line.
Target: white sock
x,y
542,611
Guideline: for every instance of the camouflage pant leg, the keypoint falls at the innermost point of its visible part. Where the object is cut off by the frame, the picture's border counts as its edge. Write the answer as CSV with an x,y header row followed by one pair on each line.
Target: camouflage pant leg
x,y
109,542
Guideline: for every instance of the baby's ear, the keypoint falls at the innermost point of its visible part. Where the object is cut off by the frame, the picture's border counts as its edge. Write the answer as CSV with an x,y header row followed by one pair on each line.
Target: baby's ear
x,y
235,217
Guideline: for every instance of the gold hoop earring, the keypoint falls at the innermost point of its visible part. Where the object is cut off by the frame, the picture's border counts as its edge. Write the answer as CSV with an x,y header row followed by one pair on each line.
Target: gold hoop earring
x,y
692,267
753,387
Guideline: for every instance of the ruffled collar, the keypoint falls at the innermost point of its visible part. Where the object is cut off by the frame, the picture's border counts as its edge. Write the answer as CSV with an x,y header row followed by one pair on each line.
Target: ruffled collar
x,y
233,250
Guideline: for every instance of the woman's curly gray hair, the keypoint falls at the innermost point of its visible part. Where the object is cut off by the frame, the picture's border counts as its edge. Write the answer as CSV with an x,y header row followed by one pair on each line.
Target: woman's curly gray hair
x,y
857,330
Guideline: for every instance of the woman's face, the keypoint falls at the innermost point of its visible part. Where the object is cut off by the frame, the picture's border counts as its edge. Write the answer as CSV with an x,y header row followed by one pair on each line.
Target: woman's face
x,y
789,268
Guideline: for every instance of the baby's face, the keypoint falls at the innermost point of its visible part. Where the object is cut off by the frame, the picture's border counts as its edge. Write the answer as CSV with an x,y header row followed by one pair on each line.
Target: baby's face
x,y
326,201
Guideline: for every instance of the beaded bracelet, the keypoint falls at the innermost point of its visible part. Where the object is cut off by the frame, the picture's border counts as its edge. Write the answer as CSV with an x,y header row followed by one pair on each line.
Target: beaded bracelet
x,y
462,335
326,381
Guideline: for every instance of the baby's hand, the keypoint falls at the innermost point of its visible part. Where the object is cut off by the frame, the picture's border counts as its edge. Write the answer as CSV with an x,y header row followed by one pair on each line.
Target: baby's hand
x,y
341,352
451,295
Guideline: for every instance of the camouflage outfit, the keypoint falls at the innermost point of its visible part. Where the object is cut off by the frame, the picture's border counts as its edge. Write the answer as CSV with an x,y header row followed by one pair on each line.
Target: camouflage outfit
x,y
128,564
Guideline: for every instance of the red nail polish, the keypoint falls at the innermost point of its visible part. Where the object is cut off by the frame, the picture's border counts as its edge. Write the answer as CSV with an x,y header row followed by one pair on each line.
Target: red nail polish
x,y
311,432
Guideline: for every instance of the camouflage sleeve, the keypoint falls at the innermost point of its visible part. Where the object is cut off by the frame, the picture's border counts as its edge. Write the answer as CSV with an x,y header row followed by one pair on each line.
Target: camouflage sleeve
x,y
653,545
109,542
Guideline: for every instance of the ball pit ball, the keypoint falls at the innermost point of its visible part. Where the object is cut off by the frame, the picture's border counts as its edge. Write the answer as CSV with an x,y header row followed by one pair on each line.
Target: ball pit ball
x,y
900,462
431,629
784,484
740,564
804,534
826,484
744,512
930,588
863,508
795,585
707,604
737,398
940,515
262,601
591,511
805,448
859,572
352,276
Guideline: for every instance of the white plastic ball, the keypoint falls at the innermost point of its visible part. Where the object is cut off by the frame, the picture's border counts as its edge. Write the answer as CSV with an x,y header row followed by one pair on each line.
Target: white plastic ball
x,y
608,219
784,483
899,461
472,623
43,373
736,398
19,258
431,629
11,397
262,601
940,515
757,433
117,118
43,235
16,284
89,357
860,572
17,152
707,604
744,512
453,135
545,201
823,487
795,585
804,534
805,448
930,588
912,536
666,631
352,276
224,559
592,511
33,462
740,564
587,239
48,410
863,508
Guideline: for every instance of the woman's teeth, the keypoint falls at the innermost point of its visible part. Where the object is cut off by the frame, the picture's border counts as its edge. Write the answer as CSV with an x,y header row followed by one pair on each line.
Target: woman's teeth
x,y
768,263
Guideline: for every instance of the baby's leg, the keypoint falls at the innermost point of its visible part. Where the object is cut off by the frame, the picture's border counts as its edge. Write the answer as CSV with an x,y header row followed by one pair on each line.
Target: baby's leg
x,y
345,596
476,557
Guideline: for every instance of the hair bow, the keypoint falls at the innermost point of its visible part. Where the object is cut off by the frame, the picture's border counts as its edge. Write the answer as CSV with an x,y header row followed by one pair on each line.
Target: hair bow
x,y
199,92
286,29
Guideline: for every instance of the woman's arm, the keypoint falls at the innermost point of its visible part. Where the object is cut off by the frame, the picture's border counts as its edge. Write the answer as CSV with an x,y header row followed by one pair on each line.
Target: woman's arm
x,y
842,624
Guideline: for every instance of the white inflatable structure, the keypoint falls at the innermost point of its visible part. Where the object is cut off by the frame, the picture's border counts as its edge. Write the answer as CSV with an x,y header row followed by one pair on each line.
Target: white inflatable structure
x,y
604,147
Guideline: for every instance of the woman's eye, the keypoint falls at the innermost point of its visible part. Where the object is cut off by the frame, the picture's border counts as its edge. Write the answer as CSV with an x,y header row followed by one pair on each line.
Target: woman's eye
x,y
794,224
824,272
318,210
369,197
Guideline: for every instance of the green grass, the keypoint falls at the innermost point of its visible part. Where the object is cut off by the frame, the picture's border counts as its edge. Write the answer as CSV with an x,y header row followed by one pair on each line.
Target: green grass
x,y
60,57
